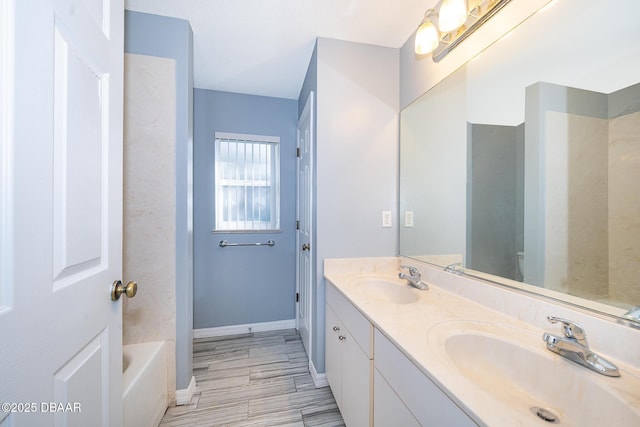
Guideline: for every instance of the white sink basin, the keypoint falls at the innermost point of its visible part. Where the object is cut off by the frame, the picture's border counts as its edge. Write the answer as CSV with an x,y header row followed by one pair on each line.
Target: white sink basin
x,y
514,369
388,289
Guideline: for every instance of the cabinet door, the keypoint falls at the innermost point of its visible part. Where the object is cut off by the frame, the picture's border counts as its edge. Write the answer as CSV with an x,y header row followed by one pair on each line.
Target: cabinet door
x,y
389,411
333,354
428,404
356,383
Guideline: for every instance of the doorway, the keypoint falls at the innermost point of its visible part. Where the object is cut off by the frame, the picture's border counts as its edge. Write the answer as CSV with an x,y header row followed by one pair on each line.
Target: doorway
x,y
304,235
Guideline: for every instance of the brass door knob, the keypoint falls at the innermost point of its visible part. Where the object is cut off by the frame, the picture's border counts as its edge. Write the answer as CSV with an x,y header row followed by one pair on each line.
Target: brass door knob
x,y
117,289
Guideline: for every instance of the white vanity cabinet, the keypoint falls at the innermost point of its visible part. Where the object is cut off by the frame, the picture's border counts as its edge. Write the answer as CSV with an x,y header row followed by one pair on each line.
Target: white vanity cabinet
x,y
349,358
404,395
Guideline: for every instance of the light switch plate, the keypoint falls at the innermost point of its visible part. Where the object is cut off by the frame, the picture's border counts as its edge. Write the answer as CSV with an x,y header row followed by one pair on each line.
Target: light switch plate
x,y
386,219
408,219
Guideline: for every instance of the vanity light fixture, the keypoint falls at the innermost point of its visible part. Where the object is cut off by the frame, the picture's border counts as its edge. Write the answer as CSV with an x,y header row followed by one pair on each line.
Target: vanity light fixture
x,y
450,22
427,36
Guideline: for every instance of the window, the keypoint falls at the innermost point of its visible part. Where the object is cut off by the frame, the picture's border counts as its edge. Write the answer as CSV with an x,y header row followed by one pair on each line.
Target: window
x,y
247,180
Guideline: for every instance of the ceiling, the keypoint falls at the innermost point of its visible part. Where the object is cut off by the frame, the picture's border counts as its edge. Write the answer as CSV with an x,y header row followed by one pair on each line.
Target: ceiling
x,y
263,47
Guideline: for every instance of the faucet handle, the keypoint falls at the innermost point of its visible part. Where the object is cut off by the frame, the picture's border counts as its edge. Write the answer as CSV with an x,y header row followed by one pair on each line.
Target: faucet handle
x,y
570,329
634,313
455,268
412,270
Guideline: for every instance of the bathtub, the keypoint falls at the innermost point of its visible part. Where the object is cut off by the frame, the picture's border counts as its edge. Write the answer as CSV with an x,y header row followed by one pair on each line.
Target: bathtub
x,y
144,384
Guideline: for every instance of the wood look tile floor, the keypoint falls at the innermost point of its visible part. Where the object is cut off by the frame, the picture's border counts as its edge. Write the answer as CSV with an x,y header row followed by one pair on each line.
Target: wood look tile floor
x,y
258,379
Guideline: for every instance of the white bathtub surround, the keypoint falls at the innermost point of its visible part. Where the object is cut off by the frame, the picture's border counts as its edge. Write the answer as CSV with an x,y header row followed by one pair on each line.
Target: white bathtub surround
x,y
415,329
149,239
624,224
144,384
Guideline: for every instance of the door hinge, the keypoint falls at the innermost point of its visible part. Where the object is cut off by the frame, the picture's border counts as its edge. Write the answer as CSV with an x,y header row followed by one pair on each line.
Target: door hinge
x,y
297,224
297,297
297,151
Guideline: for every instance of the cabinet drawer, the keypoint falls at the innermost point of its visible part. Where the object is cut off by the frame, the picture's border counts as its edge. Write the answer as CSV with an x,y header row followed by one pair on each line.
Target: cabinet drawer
x,y
358,325
428,404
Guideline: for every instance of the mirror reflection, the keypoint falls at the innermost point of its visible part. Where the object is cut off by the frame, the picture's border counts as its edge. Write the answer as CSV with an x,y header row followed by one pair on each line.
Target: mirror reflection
x,y
524,164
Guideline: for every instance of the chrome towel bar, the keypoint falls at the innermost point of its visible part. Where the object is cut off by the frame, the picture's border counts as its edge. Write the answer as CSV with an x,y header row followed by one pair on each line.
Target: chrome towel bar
x,y
224,243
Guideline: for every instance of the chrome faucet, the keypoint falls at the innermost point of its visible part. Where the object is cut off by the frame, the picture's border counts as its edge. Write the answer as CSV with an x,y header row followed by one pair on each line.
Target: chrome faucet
x,y
634,313
573,346
413,278
455,268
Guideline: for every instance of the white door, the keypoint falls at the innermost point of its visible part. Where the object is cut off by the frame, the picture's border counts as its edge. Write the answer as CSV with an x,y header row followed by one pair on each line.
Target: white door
x,y
305,218
61,212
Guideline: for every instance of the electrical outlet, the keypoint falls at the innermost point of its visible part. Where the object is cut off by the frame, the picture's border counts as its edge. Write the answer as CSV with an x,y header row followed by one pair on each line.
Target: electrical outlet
x,y
386,219
408,219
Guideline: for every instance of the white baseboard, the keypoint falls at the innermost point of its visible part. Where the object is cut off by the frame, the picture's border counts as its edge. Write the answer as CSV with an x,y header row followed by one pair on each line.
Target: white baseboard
x,y
183,397
244,329
319,380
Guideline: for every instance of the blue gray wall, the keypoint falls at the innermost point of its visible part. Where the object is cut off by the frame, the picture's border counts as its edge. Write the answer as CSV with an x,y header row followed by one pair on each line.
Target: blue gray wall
x,y
242,285
165,37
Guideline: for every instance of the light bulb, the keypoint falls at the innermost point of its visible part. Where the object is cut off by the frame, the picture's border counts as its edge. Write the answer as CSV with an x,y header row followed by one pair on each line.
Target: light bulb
x,y
453,13
427,38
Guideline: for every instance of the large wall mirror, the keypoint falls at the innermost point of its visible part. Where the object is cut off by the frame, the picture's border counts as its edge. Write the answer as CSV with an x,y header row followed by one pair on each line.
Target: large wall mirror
x,y
524,164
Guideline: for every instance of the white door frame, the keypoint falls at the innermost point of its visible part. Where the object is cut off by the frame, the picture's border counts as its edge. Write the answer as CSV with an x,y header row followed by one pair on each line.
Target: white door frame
x,y
307,114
